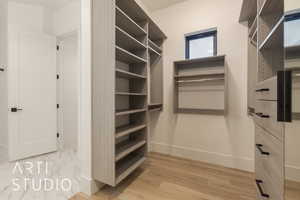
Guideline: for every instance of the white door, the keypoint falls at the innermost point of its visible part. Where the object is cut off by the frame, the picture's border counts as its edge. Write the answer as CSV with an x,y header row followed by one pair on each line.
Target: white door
x,y
32,91
68,64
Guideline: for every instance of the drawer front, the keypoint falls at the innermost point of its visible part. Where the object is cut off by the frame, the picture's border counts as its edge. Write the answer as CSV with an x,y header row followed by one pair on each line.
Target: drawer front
x,y
269,164
266,117
267,90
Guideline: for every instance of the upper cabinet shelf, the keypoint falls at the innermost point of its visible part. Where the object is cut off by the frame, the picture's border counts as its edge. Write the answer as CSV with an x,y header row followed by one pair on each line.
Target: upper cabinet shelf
x,y
248,11
125,40
269,6
154,46
125,56
136,13
126,23
274,37
201,60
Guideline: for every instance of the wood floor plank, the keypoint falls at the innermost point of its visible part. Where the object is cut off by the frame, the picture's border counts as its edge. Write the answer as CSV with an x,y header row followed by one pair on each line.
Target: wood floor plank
x,y
168,178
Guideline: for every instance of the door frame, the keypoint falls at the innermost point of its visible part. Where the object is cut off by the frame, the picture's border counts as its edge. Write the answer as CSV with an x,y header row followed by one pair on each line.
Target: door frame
x,y
59,39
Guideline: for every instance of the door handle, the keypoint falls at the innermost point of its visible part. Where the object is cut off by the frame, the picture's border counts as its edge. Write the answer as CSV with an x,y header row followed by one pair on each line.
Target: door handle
x,y
263,90
15,109
262,115
259,147
258,182
1,69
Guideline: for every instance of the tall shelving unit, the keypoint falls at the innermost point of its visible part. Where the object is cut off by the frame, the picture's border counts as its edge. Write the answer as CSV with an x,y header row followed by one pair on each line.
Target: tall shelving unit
x,y
127,45
265,92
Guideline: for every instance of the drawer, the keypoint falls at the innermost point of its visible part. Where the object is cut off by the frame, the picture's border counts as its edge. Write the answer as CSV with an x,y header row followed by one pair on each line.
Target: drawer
x,y
266,117
266,90
269,164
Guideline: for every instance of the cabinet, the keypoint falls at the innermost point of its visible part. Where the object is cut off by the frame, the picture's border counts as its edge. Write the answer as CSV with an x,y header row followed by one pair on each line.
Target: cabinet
x,y
265,20
126,84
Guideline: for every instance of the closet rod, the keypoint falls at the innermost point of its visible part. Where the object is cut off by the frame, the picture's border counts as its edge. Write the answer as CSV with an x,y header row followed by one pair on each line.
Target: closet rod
x,y
201,80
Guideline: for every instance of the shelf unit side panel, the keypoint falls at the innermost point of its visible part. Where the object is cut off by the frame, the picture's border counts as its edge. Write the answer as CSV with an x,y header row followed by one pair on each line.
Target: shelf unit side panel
x,y
103,86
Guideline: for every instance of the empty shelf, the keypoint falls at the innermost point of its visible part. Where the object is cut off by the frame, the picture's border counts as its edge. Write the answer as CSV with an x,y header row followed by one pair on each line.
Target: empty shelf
x,y
128,112
154,46
127,147
124,74
126,130
125,40
274,37
153,52
204,73
201,80
270,6
127,57
127,166
249,10
253,28
130,94
127,24
220,58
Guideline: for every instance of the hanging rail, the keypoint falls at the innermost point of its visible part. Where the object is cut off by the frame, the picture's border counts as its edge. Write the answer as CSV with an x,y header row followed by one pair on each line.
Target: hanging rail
x,y
201,80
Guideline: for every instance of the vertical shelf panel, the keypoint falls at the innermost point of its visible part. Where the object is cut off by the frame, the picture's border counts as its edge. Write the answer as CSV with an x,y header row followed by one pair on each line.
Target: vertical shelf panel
x,y
103,87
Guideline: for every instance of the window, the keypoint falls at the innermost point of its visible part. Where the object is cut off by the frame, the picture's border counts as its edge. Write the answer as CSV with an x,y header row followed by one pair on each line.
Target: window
x,y
201,44
292,30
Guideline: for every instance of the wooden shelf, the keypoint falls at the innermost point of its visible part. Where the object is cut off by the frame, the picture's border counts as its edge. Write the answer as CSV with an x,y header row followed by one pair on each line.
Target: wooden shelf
x,y
269,6
204,73
128,129
154,46
153,107
253,28
153,52
126,147
130,94
127,57
128,112
155,33
126,23
125,40
125,74
201,60
248,11
275,36
127,166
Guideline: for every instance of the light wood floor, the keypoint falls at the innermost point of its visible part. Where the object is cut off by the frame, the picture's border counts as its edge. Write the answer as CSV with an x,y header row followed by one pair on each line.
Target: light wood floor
x,y
168,178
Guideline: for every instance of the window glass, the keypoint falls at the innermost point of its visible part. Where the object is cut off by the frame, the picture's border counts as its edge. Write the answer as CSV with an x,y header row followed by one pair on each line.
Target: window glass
x,y
201,44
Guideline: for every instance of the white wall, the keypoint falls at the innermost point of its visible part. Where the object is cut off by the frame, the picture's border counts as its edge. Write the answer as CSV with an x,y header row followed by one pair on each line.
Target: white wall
x,y
66,19
229,140
3,82
27,17
291,5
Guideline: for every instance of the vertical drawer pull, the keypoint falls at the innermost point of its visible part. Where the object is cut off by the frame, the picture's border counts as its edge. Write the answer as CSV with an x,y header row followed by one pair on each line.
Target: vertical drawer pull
x,y
258,182
263,90
262,115
259,147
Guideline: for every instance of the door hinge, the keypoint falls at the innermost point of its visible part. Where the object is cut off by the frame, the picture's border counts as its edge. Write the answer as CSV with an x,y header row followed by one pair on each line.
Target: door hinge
x,y
57,135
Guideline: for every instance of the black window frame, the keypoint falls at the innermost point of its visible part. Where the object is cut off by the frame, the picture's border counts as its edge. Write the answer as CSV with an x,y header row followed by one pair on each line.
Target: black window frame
x,y
201,34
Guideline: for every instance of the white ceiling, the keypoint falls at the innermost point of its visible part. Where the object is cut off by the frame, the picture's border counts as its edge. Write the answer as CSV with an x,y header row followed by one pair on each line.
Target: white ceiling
x,y
47,3
153,5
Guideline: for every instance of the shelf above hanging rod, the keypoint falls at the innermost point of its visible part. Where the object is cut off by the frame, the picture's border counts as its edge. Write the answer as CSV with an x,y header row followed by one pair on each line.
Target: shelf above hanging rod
x,y
201,80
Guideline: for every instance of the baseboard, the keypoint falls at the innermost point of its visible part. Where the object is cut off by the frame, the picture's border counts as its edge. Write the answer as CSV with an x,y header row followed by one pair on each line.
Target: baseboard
x,y
89,186
225,160
292,173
